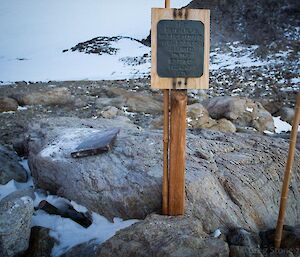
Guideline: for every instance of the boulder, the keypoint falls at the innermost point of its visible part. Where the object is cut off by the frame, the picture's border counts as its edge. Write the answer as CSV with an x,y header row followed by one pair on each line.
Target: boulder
x,y
10,167
287,114
158,236
229,177
131,101
15,222
242,237
109,112
241,111
223,125
198,118
41,243
55,96
8,104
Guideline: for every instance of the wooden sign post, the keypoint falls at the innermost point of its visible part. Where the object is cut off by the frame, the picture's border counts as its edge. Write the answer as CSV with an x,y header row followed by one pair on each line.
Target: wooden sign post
x,y
180,58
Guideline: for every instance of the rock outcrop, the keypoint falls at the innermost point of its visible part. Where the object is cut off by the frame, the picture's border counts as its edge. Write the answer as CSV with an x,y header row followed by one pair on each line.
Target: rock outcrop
x,y
231,179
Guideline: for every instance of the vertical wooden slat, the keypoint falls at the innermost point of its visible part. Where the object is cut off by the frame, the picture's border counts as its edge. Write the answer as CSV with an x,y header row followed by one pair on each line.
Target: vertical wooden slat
x,y
165,181
287,174
177,152
167,3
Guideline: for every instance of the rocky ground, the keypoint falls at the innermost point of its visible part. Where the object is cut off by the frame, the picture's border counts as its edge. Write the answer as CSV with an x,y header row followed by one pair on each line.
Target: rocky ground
x,y
234,164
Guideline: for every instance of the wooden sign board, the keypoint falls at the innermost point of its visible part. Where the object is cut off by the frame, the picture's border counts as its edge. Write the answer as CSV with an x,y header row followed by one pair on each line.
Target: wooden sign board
x,y
180,48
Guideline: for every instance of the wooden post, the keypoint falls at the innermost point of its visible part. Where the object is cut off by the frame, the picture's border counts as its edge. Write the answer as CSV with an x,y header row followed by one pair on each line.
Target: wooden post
x,y
177,152
287,174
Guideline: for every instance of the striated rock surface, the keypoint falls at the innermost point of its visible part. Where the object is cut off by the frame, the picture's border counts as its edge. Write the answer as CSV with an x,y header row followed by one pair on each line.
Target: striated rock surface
x,y
231,179
158,236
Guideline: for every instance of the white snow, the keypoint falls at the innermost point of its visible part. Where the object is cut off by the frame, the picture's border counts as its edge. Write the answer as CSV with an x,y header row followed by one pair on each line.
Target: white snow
x,y
13,185
217,233
282,126
67,232
248,109
34,33
64,229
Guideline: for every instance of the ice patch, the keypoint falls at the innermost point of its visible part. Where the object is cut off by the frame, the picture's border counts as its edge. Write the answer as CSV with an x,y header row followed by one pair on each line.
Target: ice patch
x,y
282,126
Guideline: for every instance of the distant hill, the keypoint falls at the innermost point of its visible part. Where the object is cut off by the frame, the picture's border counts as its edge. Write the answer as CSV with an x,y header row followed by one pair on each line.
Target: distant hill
x,y
253,22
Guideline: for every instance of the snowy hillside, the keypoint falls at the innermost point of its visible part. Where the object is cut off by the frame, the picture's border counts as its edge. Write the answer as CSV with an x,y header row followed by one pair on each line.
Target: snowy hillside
x,y
34,33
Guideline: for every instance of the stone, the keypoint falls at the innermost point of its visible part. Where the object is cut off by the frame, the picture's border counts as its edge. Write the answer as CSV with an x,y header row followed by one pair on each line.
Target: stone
x,y
15,222
198,118
10,167
159,236
287,114
242,237
132,101
223,125
55,96
8,104
109,112
41,243
229,177
241,111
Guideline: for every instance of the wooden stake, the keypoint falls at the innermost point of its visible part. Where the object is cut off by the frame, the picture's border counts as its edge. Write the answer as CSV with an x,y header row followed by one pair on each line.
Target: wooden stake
x,y
165,181
287,174
177,152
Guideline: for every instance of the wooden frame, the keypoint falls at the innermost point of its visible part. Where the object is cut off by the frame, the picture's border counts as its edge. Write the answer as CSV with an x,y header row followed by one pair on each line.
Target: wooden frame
x,y
202,15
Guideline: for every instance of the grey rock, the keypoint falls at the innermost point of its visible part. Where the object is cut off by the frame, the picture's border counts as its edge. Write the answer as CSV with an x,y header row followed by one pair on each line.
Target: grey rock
x,y
41,243
223,125
287,114
109,112
242,237
8,104
20,193
290,237
229,184
244,251
15,221
199,119
132,101
55,96
10,167
158,236
241,111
